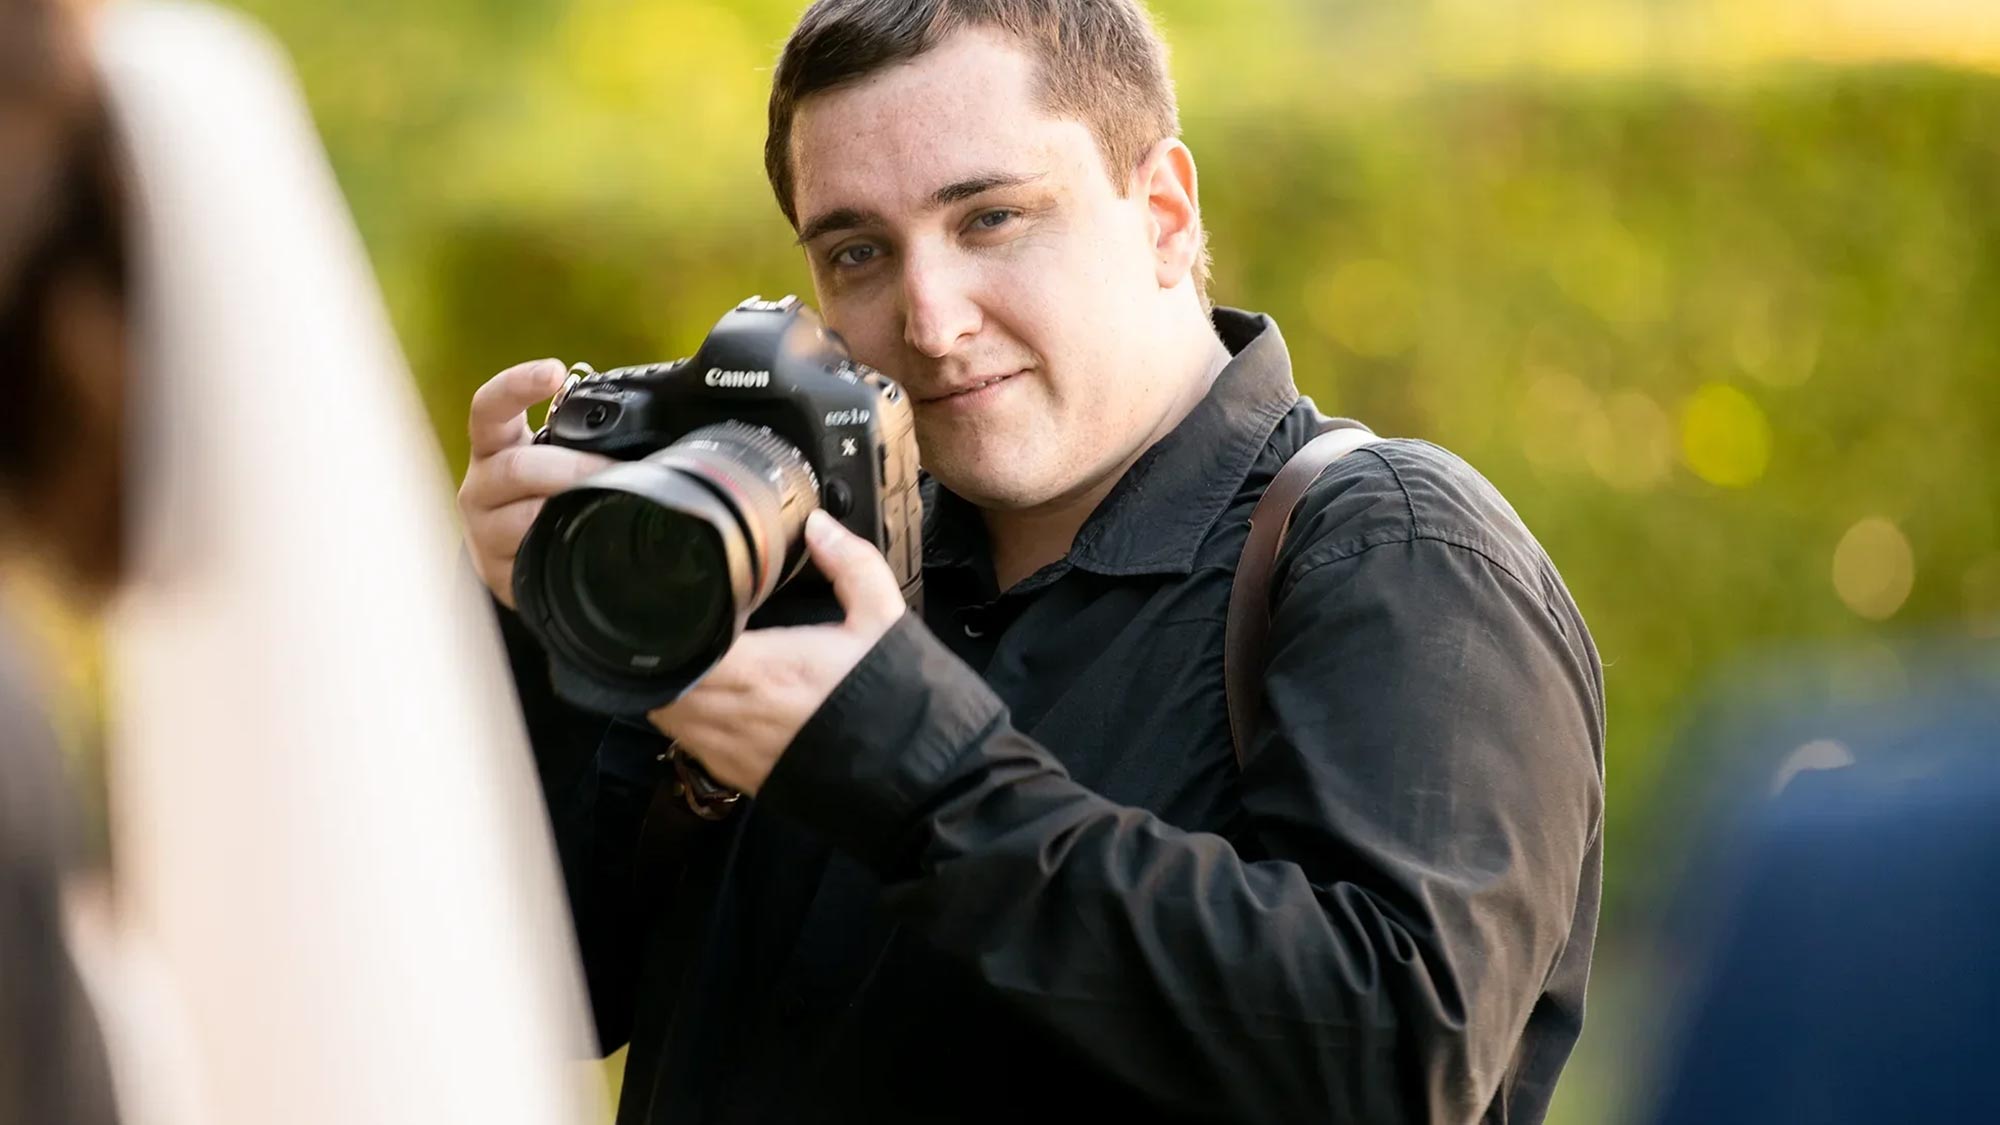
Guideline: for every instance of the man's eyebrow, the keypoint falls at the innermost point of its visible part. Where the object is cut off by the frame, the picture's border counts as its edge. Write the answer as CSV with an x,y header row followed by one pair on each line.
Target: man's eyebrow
x,y
847,218
840,218
979,185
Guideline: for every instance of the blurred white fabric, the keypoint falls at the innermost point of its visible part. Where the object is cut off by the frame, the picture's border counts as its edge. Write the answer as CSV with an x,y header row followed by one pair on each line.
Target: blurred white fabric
x,y
336,899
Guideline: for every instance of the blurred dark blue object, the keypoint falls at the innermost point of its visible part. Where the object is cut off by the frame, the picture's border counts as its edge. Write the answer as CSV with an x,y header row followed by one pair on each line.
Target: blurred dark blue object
x,y
1849,959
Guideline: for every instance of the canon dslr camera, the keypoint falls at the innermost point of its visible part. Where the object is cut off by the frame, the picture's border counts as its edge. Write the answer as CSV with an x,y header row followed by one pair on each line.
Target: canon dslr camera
x,y
637,580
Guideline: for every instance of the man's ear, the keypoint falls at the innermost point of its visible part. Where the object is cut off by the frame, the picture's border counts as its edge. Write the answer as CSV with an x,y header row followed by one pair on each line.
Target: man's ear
x,y
1165,179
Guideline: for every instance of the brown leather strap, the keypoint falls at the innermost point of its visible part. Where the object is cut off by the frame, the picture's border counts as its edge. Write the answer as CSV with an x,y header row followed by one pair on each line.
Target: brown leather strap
x,y
1248,625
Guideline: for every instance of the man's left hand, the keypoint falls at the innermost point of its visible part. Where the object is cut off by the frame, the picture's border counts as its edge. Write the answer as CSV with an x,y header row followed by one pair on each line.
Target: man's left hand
x,y
738,720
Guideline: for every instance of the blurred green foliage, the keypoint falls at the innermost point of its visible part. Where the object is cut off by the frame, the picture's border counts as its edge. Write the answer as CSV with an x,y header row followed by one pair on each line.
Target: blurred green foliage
x,y
1723,322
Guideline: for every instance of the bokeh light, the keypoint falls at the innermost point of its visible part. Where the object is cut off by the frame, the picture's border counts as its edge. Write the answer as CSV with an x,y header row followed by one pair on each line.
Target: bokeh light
x,y
1874,568
1725,437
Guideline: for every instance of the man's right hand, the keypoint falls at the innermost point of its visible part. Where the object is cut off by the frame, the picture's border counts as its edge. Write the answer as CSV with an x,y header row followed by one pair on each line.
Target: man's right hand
x,y
510,476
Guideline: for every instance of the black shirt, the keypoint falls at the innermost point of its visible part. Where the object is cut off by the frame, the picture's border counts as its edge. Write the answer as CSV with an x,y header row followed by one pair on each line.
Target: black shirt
x,y
1011,870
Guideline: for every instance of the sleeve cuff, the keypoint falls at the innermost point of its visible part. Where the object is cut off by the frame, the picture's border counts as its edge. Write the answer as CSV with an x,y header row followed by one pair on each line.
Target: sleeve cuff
x,y
882,745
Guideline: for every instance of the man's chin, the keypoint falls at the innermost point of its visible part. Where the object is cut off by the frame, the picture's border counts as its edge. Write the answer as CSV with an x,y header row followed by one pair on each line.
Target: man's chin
x,y
988,486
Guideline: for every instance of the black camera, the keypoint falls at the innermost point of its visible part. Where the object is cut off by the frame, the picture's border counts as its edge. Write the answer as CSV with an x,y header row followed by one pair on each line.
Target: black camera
x,y
637,580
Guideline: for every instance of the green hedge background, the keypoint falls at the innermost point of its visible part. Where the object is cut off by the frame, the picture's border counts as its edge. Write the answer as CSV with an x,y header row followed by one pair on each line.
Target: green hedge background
x,y
1710,290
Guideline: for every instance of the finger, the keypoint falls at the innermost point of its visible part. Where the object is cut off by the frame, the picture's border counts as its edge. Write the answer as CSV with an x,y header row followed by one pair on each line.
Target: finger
x,y
862,580
501,529
530,471
499,416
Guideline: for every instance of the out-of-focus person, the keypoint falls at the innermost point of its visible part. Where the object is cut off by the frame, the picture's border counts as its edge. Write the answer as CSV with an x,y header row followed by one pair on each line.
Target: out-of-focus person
x,y
1838,936
264,950
61,378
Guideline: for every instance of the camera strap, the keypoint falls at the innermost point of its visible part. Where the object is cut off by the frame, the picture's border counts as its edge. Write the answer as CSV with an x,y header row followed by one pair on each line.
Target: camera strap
x,y
1247,627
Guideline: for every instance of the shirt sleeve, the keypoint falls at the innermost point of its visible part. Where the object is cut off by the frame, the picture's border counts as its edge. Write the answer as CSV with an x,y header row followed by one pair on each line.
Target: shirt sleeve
x,y
1420,799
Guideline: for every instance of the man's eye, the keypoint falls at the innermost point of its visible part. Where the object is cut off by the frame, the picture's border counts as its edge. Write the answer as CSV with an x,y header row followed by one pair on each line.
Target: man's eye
x,y
994,220
856,255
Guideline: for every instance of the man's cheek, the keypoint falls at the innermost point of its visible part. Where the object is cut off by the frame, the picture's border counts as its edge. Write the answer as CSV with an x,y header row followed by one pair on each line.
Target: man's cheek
x,y
877,349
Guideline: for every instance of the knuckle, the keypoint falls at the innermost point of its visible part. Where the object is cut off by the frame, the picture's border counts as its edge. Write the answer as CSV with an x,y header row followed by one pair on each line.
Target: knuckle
x,y
509,465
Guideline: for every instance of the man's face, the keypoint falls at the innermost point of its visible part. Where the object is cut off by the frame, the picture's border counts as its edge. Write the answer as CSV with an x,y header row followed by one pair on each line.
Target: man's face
x,y
958,236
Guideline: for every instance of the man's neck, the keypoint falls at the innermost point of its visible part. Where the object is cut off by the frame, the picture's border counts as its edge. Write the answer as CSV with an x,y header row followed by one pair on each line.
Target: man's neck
x,y
1026,540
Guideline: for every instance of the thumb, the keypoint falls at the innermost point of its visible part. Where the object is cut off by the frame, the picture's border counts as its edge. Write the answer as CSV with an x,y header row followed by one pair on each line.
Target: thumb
x,y
861,577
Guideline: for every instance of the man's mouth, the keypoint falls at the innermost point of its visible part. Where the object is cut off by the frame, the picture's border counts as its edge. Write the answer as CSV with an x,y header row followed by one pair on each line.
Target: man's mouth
x,y
968,388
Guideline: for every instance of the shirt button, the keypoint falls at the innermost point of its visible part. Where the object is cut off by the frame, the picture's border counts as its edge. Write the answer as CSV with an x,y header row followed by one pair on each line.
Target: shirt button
x,y
974,631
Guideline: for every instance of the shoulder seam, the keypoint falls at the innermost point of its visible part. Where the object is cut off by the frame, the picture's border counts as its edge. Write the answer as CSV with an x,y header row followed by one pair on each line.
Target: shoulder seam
x,y
1328,553
1409,504
1319,555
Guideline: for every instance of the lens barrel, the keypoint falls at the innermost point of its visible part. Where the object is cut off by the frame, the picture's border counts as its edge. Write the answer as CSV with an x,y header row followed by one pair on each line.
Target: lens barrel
x,y
639,579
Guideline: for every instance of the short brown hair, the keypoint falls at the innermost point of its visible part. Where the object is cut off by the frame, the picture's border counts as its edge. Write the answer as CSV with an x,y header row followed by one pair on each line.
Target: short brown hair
x,y
1100,62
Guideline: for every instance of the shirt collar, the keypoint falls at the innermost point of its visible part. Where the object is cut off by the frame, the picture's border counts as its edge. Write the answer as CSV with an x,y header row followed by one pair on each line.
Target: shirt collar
x,y
1158,514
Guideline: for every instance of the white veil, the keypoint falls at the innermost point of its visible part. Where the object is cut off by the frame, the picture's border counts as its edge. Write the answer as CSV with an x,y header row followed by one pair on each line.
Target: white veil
x,y
336,899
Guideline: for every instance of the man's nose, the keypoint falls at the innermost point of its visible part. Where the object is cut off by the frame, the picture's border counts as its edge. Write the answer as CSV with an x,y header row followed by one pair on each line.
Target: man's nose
x,y
938,305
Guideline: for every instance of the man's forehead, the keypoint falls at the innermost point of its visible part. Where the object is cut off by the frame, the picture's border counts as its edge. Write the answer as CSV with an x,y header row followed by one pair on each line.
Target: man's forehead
x,y
890,179
912,176
962,110
973,73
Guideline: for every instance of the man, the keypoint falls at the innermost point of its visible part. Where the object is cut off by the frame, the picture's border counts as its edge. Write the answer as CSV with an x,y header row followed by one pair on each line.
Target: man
x,y
1001,861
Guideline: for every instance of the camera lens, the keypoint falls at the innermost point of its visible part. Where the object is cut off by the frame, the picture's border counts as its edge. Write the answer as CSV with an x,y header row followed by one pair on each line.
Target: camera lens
x,y
639,580
645,577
